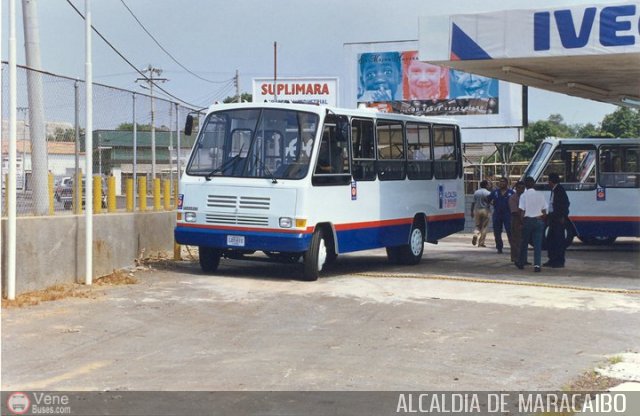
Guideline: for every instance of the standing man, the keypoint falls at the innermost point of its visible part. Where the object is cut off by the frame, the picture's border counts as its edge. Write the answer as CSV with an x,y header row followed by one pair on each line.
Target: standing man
x,y
516,222
480,213
533,208
558,214
499,198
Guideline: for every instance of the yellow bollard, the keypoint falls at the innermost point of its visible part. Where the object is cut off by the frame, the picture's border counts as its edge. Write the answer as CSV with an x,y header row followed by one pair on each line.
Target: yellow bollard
x,y
97,195
50,193
129,194
157,196
142,193
177,251
111,194
167,194
77,194
175,193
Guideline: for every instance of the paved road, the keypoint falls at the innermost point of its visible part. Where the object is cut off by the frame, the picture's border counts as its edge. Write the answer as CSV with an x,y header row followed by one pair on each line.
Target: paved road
x,y
255,327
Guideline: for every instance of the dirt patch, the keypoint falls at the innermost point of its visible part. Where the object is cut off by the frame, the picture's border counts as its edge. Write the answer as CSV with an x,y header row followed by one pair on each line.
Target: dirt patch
x,y
592,381
55,292
119,277
69,290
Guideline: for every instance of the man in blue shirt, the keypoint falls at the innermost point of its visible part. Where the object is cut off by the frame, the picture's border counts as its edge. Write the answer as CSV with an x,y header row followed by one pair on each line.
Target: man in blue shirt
x,y
499,198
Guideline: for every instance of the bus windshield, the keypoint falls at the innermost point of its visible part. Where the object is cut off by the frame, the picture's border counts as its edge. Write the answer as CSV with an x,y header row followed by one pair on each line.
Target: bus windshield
x,y
538,162
255,143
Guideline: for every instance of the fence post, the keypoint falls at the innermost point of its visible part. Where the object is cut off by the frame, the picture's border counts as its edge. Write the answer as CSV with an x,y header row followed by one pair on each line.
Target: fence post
x,y
167,194
129,194
142,193
111,194
135,153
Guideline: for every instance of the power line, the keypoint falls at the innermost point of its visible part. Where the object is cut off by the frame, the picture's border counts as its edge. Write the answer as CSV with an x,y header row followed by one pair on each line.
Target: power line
x,y
166,51
127,61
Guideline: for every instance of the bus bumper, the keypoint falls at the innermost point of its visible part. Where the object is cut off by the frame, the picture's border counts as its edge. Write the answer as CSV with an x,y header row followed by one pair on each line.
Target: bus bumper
x,y
294,241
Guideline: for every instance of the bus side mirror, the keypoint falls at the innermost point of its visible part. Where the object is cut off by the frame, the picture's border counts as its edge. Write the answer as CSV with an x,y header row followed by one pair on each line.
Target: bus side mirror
x,y
188,125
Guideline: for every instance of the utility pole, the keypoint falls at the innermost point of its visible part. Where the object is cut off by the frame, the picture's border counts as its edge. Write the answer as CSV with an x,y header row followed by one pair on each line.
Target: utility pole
x,y
236,80
39,151
151,80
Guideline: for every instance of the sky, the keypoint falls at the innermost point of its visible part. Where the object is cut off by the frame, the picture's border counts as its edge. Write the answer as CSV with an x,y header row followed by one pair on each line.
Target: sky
x,y
214,38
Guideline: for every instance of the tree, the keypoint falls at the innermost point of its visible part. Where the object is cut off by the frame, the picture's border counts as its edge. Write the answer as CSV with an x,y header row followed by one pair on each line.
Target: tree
x,y
140,127
624,122
554,126
63,135
244,97
589,130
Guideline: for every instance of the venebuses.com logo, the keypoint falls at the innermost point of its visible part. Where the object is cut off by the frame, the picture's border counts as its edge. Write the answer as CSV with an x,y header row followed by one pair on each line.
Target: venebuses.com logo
x,y
18,403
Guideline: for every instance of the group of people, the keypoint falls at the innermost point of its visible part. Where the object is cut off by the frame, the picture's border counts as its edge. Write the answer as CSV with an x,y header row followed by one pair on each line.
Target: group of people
x,y
523,212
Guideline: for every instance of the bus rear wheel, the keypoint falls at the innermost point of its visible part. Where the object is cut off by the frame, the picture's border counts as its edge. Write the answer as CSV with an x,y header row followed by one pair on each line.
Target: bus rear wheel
x,y
209,259
315,257
409,254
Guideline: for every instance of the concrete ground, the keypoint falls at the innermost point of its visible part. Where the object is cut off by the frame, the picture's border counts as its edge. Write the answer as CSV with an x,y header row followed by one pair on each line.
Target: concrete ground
x,y
463,319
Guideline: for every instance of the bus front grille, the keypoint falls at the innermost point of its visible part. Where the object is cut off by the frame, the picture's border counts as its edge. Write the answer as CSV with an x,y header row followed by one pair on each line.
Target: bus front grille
x,y
235,202
237,219
254,202
222,201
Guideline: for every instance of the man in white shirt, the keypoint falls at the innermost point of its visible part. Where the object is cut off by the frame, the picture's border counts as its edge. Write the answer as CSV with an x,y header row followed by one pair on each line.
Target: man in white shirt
x,y
533,208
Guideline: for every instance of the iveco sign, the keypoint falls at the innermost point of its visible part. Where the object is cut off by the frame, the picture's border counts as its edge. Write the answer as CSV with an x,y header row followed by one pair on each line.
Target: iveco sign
x,y
563,31
577,27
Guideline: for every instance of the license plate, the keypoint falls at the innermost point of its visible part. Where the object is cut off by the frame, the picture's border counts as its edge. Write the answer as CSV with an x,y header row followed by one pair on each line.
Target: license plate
x,y
235,240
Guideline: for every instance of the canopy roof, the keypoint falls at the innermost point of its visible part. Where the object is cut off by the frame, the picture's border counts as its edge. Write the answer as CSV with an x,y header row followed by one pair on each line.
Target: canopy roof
x,y
585,51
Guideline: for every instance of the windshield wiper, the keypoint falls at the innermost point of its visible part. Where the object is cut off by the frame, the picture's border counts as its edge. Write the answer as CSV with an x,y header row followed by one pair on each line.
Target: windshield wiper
x,y
225,164
265,169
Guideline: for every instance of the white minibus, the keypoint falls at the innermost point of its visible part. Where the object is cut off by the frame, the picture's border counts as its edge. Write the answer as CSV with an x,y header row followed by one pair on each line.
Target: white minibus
x,y
306,183
602,180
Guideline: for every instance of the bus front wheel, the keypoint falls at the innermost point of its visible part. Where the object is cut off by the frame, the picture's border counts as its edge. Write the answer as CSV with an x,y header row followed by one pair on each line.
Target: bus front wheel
x,y
316,256
209,259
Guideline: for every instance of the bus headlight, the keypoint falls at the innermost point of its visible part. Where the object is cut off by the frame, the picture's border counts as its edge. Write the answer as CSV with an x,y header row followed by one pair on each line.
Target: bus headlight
x,y
190,216
286,222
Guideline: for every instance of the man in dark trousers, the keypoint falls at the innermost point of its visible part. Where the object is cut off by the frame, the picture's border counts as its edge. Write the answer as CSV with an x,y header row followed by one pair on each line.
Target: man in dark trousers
x,y
499,198
556,220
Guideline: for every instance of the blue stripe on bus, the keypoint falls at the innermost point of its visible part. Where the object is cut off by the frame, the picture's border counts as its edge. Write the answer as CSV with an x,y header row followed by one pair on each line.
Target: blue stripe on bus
x,y
217,238
607,228
349,240
374,237
440,229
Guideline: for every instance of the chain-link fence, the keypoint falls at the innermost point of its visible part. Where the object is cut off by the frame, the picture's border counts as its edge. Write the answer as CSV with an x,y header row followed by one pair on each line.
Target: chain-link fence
x,y
51,147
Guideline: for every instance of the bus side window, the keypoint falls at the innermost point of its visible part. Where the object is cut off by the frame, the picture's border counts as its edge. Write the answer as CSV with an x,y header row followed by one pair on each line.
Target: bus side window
x,y
575,166
363,150
332,166
444,152
419,164
619,167
391,155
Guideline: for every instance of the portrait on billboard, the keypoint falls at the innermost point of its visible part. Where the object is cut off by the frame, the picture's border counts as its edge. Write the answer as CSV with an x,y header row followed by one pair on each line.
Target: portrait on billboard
x,y
399,82
380,77
466,85
423,81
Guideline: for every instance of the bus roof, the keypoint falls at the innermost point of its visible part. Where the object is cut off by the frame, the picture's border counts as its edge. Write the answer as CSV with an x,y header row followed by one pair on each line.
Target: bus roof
x,y
321,109
586,140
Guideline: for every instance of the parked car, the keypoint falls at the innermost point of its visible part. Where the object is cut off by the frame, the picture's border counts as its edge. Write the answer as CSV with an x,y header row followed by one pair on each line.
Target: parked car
x,y
60,185
66,193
